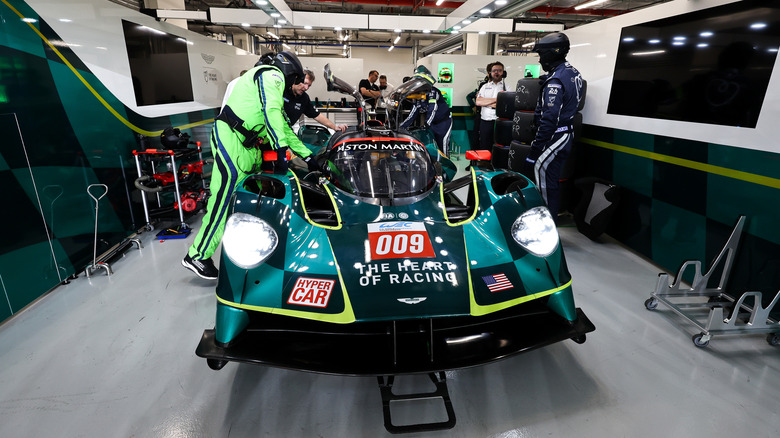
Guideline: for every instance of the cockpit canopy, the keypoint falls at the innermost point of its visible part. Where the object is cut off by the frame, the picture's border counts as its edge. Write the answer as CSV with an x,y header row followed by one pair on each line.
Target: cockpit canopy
x,y
383,171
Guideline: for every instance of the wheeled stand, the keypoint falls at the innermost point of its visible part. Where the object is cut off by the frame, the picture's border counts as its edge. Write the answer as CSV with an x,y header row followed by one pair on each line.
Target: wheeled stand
x,y
155,156
103,261
678,298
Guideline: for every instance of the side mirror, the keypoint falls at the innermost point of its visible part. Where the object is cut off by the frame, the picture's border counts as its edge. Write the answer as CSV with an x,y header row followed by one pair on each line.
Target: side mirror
x,y
481,154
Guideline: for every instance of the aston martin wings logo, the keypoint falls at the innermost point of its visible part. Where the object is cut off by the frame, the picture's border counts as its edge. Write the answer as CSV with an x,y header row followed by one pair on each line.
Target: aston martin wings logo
x,y
414,300
208,58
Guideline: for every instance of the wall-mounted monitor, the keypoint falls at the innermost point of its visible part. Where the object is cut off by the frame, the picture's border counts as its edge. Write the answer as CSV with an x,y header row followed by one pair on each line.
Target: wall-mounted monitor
x,y
159,65
710,66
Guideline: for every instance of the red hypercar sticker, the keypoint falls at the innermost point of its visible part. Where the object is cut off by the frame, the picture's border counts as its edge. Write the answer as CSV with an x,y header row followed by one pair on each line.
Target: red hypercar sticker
x,y
313,292
392,240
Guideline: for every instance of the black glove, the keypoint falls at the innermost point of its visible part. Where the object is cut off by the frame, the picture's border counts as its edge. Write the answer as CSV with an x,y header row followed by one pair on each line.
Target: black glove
x,y
312,163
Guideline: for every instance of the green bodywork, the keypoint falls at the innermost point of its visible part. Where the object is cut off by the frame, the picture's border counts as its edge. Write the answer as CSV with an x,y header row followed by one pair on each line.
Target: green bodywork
x,y
449,282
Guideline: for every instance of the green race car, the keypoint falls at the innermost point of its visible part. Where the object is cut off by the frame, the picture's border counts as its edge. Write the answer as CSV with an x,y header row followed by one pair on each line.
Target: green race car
x,y
385,264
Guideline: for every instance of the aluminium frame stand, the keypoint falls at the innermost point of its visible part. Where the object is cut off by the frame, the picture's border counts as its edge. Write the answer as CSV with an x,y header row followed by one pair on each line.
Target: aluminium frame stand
x,y
676,296
103,261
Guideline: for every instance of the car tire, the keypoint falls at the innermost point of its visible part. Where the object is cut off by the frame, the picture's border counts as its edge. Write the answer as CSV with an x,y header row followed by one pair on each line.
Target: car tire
x,y
503,132
505,104
517,153
526,94
522,129
499,156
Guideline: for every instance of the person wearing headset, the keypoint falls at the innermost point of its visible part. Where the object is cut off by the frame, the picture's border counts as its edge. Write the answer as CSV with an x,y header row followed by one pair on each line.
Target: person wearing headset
x,y
486,99
252,123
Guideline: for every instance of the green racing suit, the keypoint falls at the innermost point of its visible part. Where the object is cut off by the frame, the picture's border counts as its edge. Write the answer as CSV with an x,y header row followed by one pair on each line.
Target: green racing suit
x,y
256,100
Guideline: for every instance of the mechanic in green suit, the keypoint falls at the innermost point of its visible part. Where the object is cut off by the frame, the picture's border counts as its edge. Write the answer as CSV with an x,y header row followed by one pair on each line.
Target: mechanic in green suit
x,y
252,122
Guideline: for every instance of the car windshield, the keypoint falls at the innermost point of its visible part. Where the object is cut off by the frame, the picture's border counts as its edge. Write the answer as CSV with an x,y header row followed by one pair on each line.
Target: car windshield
x,y
382,168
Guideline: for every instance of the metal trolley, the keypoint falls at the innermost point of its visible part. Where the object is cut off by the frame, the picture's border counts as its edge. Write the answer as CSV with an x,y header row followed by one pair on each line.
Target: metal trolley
x,y
154,157
743,318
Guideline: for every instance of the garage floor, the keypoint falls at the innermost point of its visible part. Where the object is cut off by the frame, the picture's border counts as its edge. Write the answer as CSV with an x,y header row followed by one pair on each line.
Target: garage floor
x,y
114,356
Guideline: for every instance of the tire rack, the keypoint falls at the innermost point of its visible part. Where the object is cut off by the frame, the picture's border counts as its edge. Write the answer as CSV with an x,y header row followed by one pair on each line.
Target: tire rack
x,y
677,297
150,155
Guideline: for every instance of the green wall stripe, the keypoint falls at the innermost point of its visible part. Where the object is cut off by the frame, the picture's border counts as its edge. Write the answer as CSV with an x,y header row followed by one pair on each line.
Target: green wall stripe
x,y
708,168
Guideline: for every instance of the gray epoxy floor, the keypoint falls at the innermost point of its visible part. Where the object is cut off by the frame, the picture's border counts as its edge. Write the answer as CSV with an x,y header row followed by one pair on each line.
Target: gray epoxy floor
x,y
114,357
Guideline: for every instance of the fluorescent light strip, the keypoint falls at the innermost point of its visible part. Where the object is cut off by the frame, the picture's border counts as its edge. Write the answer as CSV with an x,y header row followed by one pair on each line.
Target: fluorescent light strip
x,y
589,4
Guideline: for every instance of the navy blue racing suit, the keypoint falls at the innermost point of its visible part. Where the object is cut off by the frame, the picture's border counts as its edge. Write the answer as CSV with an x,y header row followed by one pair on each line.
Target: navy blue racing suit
x,y
438,119
555,109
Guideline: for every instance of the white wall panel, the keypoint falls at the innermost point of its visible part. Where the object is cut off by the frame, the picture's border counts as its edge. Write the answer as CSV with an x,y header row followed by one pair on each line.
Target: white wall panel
x,y
594,53
94,33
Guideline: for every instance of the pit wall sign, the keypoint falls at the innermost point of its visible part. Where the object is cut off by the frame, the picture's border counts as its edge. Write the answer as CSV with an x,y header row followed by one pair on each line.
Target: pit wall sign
x,y
446,73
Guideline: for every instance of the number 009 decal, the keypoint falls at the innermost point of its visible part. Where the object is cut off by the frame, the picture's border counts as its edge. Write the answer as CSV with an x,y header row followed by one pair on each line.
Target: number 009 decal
x,y
391,240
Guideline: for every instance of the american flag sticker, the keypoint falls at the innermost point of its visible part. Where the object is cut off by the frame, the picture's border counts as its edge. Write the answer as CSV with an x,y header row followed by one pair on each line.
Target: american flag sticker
x,y
497,282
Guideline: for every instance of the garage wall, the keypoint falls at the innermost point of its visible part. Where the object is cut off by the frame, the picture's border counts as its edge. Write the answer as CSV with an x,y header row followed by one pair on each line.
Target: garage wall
x,y
684,184
69,119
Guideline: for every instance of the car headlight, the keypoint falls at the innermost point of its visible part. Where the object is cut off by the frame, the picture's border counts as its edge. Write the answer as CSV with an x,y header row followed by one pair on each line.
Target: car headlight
x,y
248,240
535,231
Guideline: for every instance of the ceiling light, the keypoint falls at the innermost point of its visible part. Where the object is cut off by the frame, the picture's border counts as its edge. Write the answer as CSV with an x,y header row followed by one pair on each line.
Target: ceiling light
x,y
398,38
589,4
499,50
282,21
500,2
679,38
277,26
467,21
307,27
482,32
272,35
772,50
678,43
655,52
758,25
654,41
285,46
456,27
275,14
391,48
245,24
702,45
397,31
484,11
426,31
337,28
455,32
706,34
261,2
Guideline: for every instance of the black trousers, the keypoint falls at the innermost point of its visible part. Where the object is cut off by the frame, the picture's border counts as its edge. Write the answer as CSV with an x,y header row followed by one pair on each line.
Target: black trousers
x,y
486,128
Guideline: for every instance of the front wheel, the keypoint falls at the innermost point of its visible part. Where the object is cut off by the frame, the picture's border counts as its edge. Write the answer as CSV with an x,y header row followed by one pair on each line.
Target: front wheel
x,y
216,364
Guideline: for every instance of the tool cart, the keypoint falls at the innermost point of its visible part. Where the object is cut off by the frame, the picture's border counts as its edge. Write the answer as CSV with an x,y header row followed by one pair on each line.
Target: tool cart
x,y
171,179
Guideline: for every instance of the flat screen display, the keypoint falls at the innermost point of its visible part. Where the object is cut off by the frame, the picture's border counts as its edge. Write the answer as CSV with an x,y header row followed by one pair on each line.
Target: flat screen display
x,y
159,65
710,66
